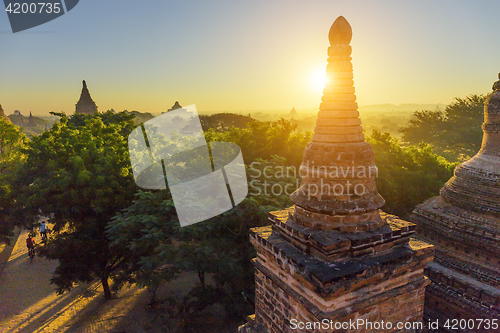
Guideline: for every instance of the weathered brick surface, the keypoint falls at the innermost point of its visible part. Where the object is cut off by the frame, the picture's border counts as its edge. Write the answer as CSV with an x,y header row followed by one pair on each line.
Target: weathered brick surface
x,y
464,225
395,295
334,256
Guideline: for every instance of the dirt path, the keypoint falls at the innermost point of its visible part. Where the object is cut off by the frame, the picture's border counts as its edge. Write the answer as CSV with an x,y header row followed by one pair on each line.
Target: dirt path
x,y
28,302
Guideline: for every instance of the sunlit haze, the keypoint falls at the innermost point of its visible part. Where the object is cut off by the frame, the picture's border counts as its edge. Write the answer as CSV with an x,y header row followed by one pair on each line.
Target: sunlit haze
x,y
246,55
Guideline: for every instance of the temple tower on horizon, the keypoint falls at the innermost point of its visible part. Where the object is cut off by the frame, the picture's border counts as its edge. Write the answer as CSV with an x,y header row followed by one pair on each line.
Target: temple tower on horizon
x,y
85,104
334,256
463,222
175,106
31,121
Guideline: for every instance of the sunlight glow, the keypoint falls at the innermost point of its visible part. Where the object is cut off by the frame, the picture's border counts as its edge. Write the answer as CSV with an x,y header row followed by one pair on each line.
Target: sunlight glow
x,y
318,79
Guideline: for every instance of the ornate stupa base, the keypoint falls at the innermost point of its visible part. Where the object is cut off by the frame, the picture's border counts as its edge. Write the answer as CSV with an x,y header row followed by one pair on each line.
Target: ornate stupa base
x,y
369,277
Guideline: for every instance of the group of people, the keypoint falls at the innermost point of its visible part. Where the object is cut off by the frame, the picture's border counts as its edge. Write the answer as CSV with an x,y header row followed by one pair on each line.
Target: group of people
x,y
30,240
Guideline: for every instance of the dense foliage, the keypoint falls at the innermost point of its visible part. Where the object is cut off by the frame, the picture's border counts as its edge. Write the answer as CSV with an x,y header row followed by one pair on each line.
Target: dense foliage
x,y
78,173
158,249
12,142
222,122
454,133
407,175
265,139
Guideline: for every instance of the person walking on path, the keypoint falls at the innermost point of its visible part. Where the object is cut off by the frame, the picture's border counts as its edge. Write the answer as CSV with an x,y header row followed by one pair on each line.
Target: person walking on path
x,y
43,231
30,244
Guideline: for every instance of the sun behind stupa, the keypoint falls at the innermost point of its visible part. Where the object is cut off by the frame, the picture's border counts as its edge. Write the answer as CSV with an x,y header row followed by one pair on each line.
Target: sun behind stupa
x,y
334,258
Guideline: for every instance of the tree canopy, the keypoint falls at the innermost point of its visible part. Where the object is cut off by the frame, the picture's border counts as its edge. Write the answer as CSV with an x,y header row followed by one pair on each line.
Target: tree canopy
x,y
78,174
222,122
158,249
454,133
12,143
407,175
265,139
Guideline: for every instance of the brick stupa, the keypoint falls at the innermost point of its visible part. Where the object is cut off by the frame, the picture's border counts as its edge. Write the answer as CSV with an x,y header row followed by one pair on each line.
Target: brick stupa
x,y
175,106
334,256
464,224
31,121
85,104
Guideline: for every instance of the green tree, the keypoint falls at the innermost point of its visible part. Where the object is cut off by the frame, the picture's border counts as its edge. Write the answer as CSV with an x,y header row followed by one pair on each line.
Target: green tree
x,y
12,142
265,139
79,175
407,175
158,249
454,133
222,122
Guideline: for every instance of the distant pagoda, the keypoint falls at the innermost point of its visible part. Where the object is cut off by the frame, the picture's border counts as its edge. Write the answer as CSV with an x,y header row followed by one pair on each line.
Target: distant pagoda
x,y
31,121
334,257
175,106
85,104
464,224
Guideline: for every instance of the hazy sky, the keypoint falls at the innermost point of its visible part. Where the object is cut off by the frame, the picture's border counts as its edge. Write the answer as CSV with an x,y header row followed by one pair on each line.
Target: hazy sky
x,y
247,55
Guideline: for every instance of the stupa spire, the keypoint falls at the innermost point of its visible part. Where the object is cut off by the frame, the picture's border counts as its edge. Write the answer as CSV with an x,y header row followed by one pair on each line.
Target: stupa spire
x,y
338,169
338,119
85,104
31,121
334,256
475,182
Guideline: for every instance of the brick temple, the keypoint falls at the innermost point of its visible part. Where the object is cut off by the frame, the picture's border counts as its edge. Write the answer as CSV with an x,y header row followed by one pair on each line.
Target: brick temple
x,y
463,222
85,103
31,121
334,257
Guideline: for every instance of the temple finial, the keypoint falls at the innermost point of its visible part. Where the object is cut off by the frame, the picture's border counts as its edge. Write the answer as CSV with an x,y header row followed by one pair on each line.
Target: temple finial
x,y
84,84
340,32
